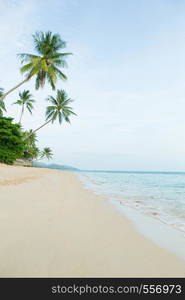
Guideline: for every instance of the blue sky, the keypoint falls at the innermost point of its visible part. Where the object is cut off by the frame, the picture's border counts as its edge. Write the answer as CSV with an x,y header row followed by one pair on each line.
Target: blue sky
x,y
127,77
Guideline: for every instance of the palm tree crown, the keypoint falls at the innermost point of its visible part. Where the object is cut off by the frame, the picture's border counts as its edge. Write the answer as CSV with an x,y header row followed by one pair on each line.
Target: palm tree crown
x,y
47,152
47,64
25,101
59,108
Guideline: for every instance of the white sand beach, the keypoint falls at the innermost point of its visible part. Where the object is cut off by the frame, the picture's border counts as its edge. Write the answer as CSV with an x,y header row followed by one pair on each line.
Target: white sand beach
x,y
51,226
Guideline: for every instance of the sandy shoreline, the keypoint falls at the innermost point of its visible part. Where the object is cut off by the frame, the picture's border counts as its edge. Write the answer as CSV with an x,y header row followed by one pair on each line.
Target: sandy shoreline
x,y
50,226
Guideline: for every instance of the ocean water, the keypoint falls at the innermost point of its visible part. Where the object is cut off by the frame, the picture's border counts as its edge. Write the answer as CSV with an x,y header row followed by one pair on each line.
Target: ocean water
x,y
158,194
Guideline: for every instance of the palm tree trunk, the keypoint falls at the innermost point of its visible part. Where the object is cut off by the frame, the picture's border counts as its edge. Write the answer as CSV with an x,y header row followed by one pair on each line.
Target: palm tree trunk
x,y
37,130
14,88
22,111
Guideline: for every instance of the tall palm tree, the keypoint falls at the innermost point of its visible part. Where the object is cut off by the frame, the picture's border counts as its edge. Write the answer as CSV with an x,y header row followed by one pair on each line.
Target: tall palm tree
x,y
46,153
25,101
31,151
46,64
2,105
58,109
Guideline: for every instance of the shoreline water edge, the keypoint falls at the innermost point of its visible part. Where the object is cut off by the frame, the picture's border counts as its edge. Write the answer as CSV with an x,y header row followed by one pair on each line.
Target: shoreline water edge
x,y
161,198
52,226
146,221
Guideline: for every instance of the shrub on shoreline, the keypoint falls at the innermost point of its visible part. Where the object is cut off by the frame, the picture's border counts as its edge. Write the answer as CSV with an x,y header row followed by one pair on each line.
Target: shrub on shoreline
x,y
11,143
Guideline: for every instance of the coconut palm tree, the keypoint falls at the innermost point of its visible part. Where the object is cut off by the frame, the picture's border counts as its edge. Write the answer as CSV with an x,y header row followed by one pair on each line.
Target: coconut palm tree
x,y
2,105
46,64
47,153
31,151
59,109
25,101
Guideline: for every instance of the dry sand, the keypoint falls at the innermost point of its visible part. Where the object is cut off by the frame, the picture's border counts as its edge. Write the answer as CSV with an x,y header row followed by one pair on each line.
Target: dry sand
x,y
50,226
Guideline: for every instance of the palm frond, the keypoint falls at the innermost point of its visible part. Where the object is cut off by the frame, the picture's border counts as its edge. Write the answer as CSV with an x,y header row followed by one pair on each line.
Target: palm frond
x,y
18,102
26,57
60,74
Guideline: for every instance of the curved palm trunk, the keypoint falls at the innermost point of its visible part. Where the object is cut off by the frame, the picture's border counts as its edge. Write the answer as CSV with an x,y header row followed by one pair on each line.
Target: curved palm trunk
x,y
36,130
14,88
22,111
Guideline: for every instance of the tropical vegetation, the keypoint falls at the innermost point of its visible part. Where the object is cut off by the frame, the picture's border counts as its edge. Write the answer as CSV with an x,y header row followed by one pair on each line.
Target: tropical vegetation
x,y
58,109
25,101
11,142
31,150
47,153
45,64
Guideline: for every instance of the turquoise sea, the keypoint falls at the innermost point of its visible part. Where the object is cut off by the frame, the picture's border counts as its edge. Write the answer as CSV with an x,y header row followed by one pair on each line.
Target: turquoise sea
x,y
159,194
